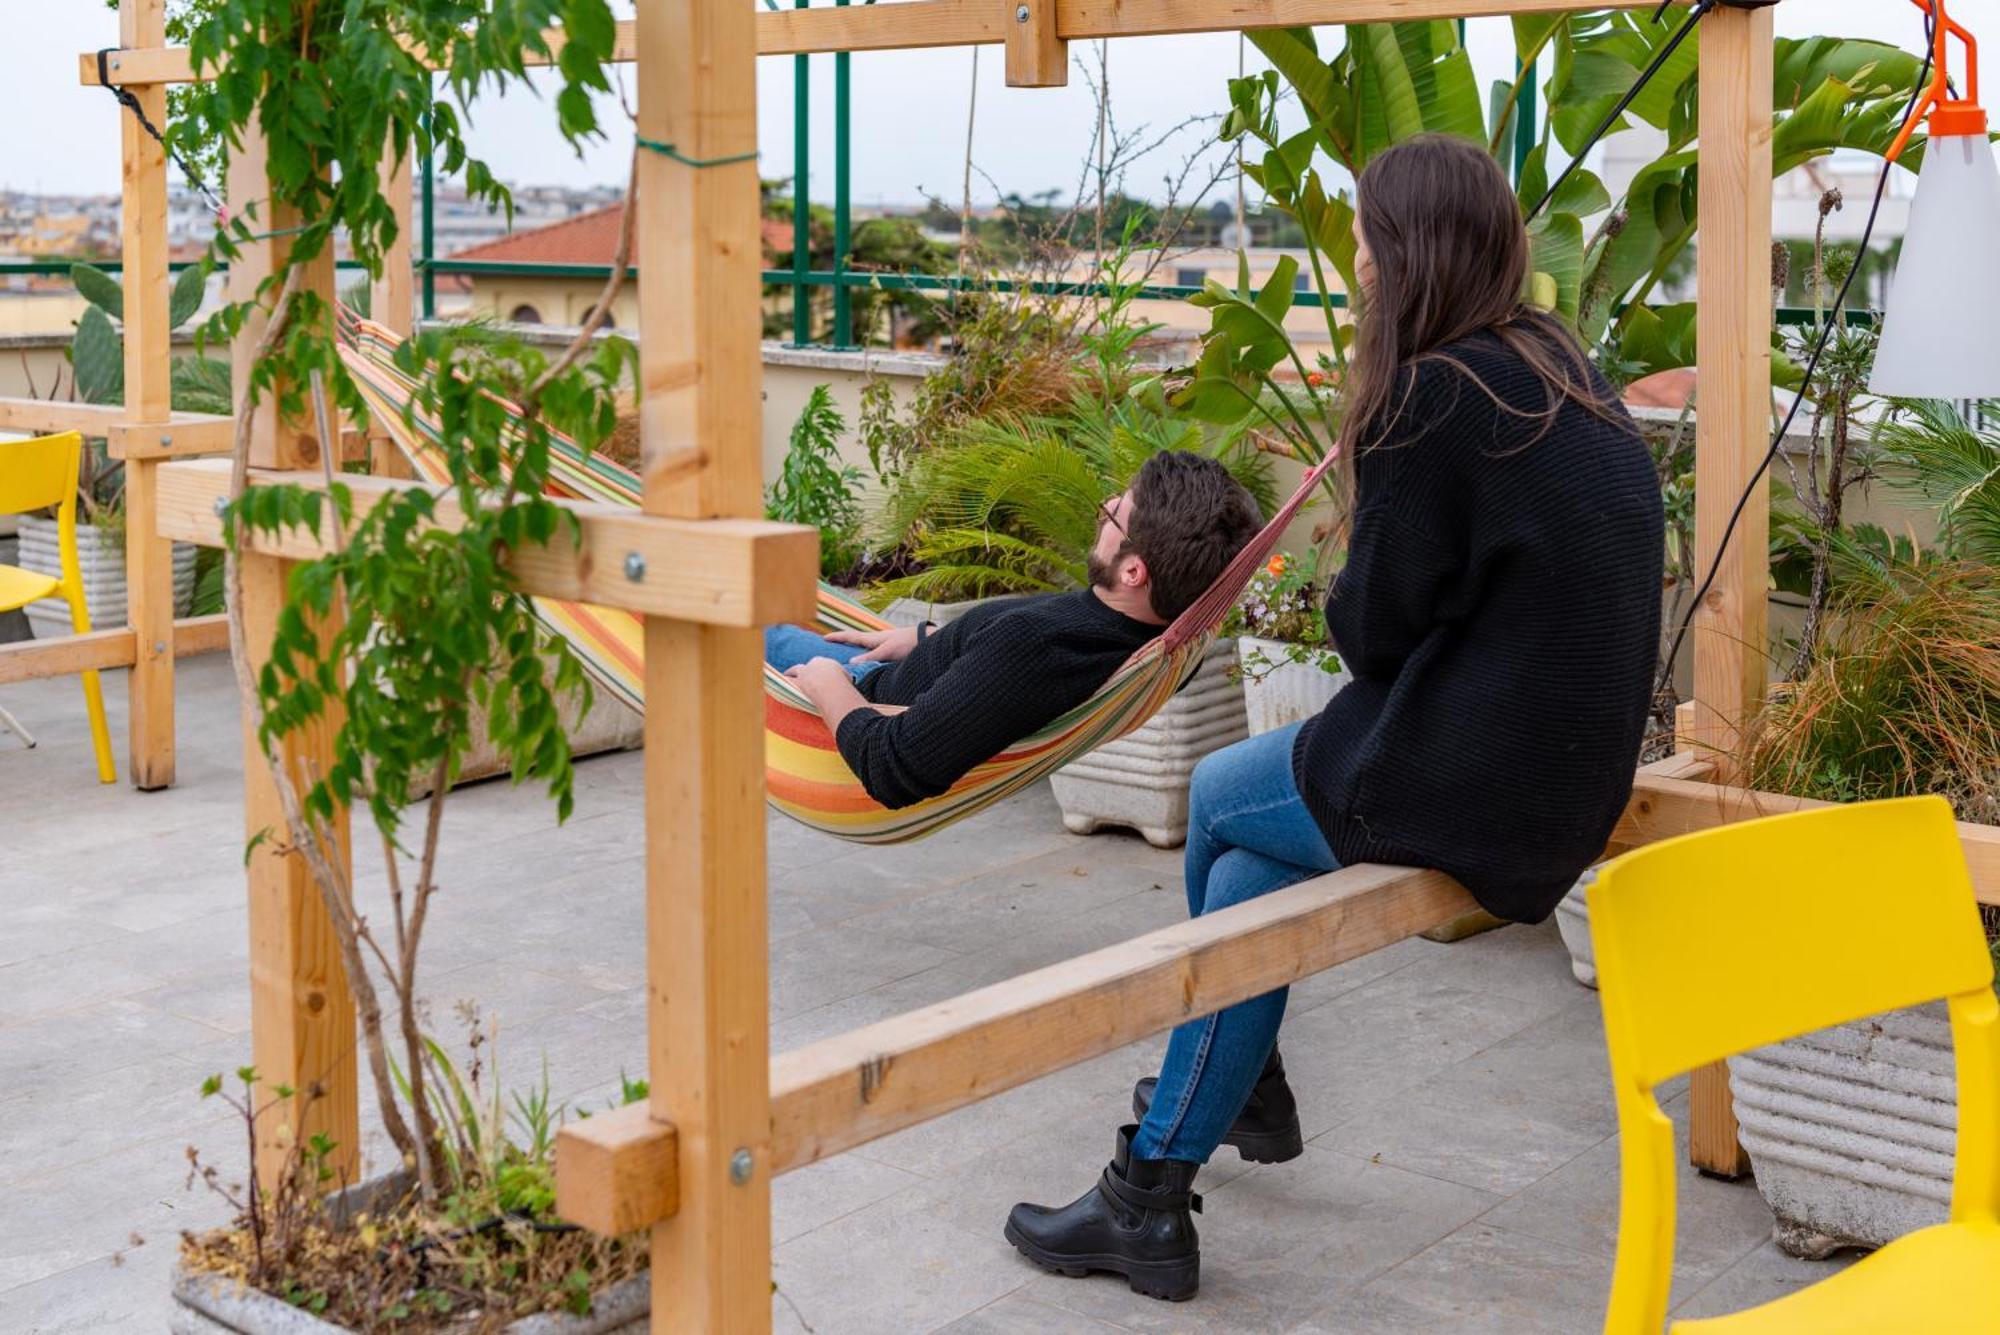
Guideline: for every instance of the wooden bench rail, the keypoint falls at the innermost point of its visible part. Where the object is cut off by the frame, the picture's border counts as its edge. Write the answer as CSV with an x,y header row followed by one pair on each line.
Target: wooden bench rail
x,y
934,23
1662,808
177,436
614,1171
719,572
101,650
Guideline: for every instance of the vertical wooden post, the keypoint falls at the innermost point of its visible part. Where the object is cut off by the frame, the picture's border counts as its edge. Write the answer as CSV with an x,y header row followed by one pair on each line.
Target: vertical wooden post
x,y
149,558
392,297
302,1030
708,1030
1036,56
1732,432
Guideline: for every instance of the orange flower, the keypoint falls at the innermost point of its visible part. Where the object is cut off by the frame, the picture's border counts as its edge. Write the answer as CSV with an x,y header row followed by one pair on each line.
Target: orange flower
x,y
1276,565
1315,379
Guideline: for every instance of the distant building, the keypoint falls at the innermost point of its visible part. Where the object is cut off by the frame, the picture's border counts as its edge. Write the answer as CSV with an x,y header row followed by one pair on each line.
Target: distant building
x,y
562,299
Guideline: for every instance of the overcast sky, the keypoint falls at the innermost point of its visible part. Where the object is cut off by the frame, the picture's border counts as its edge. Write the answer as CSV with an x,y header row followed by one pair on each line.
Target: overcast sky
x,y
909,108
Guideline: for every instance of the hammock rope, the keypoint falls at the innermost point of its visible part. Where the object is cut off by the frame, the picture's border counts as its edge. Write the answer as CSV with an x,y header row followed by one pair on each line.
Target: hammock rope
x,y
806,778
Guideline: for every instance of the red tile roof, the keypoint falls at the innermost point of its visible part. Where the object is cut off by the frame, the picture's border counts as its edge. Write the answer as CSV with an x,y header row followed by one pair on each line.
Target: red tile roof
x,y
592,238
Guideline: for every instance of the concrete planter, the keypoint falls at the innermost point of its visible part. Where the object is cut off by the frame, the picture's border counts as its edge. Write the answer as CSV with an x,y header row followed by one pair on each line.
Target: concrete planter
x,y
1140,782
213,1305
1851,1130
101,557
1573,921
1288,693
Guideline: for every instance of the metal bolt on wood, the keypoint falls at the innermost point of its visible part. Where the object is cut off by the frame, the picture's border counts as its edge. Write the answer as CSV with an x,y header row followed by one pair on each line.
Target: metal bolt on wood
x,y
1021,14
740,1166
635,567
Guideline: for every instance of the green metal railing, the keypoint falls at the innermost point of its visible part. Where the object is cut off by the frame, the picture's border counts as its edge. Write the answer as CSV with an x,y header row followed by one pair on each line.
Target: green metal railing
x,y
801,278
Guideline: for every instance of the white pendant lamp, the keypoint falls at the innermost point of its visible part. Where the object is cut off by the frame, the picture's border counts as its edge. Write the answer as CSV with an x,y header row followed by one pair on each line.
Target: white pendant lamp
x,y
1941,329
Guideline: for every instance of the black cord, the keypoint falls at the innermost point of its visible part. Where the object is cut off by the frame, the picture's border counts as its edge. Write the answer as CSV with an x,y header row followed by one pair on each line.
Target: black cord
x,y
128,99
1839,317
1664,54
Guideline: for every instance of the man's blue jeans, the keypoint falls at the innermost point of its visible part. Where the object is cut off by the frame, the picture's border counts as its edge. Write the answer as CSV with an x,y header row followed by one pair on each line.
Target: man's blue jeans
x,y
789,646
1249,833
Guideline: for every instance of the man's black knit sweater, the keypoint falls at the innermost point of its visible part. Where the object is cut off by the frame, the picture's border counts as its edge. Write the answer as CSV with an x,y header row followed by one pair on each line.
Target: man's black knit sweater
x,y
984,681
1500,615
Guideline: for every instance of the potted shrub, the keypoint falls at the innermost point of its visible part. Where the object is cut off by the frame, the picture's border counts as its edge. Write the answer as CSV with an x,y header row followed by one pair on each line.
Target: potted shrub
x,y
1288,667
433,640
491,1255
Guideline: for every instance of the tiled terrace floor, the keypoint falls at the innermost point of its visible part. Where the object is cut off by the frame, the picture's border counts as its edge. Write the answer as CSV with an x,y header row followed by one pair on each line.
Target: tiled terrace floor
x,y
1461,1175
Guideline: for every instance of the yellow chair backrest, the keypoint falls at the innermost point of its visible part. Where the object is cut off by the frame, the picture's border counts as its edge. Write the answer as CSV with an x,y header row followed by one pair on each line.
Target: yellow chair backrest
x,y
1718,942
38,473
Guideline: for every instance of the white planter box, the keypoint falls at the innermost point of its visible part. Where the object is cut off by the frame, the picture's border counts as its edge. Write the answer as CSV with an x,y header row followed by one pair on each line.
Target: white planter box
x,y
1289,693
101,558
1140,782
1573,921
213,1305
1852,1130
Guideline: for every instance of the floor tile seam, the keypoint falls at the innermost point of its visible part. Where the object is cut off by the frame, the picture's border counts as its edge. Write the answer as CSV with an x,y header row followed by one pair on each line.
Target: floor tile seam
x,y
1503,1197
865,1205
175,1137
1421,1252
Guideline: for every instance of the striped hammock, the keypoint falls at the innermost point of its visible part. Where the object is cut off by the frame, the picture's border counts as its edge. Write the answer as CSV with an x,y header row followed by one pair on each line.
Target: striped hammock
x,y
805,777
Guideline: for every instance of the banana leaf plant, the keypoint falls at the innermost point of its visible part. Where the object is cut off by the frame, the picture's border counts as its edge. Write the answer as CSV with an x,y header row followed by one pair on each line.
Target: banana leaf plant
x,y
1595,260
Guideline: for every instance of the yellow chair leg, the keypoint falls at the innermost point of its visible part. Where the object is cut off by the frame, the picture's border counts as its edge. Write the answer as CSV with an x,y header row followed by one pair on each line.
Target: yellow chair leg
x,y
100,730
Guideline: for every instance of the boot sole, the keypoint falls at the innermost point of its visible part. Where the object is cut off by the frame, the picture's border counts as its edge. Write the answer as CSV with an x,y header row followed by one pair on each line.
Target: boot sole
x,y
1173,1282
1281,1146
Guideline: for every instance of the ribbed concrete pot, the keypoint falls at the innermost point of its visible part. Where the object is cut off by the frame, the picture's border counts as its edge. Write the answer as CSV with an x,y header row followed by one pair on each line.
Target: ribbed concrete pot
x,y
1851,1130
1573,921
1287,693
101,557
212,1305
1140,782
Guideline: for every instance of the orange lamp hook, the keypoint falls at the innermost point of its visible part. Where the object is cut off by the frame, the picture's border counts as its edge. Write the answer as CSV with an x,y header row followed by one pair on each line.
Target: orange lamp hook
x,y
1948,115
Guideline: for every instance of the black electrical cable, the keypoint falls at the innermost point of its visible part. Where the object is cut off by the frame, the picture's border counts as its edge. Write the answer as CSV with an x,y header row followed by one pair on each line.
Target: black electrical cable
x,y
1660,58
1839,316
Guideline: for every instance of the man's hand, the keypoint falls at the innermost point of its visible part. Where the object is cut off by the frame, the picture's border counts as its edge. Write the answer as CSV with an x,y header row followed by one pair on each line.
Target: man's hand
x,y
827,685
883,646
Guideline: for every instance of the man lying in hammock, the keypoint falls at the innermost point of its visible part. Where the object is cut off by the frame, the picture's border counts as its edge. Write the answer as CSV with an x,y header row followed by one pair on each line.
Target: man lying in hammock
x,y
1009,667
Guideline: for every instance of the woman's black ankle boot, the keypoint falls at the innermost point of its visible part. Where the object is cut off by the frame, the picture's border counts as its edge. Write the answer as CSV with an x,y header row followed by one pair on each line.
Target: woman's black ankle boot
x,y
1267,1130
1137,1221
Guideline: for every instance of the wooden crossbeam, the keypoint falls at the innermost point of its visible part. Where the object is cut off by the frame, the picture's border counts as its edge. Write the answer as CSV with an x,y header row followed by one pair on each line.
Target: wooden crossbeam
x,y
855,1087
934,23
103,650
174,435
1663,808
719,572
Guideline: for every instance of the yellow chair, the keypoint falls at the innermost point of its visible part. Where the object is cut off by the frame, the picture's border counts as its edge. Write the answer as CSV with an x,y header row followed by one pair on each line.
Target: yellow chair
x,y
34,475
1718,942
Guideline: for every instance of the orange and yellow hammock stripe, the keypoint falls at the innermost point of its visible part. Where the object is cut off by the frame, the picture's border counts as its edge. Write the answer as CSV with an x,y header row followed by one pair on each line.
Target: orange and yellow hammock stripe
x,y
805,777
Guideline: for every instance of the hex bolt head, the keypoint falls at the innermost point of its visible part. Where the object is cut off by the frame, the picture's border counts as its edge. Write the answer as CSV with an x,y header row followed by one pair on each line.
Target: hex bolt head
x,y
166,442
1020,14
740,1166
635,567
221,506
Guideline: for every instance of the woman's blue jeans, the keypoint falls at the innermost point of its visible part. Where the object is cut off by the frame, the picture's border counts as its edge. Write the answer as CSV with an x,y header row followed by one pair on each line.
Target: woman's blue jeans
x,y
789,646
1249,833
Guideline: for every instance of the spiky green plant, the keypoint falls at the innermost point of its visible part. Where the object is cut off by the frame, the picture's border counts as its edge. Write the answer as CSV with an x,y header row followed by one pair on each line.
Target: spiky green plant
x,y
1929,448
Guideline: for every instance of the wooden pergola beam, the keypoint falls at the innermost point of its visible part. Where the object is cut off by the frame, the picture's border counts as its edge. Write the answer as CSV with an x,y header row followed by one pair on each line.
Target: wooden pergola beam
x,y
719,572
104,650
933,23
858,1086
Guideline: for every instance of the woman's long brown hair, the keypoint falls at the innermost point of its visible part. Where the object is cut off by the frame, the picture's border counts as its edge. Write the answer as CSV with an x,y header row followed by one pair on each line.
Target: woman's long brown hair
x,y
1451,258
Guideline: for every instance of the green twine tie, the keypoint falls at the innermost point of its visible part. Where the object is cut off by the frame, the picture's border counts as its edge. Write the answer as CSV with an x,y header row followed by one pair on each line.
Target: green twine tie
x,y
668,150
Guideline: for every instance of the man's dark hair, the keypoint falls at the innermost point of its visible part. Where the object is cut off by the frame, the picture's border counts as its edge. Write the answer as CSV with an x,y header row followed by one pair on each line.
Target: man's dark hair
x,y
1189,518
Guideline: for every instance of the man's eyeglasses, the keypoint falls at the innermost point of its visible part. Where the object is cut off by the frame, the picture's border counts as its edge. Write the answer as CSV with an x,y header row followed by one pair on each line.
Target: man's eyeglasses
x,y
1107,512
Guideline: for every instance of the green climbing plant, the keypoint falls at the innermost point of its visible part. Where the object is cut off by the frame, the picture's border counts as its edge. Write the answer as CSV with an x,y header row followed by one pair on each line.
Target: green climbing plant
x,y
406,633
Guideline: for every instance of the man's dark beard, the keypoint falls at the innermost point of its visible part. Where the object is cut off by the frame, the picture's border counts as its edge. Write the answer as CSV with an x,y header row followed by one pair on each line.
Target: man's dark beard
x,y
1104,574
